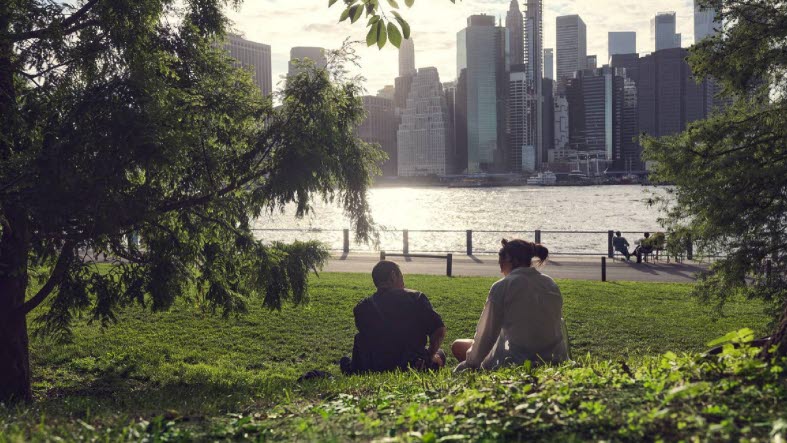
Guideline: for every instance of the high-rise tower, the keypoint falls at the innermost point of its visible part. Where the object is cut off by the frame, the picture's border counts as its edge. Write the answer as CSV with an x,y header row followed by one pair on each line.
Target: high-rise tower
x,y
407,58
622,43
663,31
516,33
549,63
534,56
299,54
705,23
571,47
255,55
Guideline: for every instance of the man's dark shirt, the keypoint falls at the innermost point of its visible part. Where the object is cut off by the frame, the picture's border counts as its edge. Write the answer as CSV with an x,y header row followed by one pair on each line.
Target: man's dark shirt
x,y
394,332
619,243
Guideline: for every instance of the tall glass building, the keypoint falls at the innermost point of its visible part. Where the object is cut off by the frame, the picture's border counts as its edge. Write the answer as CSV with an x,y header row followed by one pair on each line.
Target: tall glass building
x,y
705,23
572,47
663,31
256,56
424,134
300,53
621,43
482,55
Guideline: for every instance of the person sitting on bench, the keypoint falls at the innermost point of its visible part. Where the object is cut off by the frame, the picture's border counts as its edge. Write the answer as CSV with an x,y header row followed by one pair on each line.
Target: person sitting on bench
x,y
393,327
643,247
522,318
621,245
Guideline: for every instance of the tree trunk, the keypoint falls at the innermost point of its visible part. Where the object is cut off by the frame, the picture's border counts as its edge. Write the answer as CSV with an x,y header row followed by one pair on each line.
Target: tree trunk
x,y
14,354
780,338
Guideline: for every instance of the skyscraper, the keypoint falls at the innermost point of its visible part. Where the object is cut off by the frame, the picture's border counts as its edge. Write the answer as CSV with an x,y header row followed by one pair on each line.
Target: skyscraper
x,y
516,33
622,43
481,54
300,53
571,47
522,121
592,62
380,127
256,56
424,134
534,53
599,94
549,63
407,58
663,31
705,23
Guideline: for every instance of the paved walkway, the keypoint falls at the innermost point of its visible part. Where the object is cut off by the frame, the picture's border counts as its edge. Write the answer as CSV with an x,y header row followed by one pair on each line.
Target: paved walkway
x,y
566,267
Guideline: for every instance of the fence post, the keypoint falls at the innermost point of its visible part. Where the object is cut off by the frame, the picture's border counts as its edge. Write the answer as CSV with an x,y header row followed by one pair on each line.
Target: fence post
x,y
689,249
449,265
603,268
382,255
346,241
469,242
610,249
405,242
538,236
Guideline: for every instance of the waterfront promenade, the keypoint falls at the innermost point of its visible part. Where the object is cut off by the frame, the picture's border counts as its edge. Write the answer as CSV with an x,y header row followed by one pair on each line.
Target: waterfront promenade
x,y
564,267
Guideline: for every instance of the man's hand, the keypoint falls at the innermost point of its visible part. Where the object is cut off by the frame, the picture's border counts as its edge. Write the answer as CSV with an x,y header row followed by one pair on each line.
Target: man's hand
x,y
437,360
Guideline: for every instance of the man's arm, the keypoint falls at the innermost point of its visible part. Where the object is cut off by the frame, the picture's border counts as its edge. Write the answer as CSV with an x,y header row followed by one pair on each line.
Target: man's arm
x,y
436,340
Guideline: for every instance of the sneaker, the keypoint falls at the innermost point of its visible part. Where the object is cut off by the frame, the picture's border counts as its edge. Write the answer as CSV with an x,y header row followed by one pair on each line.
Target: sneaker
x,y
345,364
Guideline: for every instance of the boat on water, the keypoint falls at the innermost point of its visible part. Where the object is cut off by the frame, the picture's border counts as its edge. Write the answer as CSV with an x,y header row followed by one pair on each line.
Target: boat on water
x,y
546,178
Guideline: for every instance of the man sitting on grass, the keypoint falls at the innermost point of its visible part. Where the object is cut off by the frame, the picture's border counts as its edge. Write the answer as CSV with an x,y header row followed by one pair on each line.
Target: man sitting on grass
x,y
393,327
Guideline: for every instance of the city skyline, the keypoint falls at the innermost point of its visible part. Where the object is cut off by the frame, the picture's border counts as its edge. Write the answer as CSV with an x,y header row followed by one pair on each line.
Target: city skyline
x,y
272,22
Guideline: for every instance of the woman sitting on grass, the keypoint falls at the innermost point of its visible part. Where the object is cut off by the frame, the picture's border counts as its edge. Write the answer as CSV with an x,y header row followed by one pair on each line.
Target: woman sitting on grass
x,y
522,316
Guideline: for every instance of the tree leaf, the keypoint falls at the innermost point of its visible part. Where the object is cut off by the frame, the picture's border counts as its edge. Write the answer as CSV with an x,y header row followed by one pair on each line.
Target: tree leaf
x,y
331,2
355,13
393,4
382,35
394,35
371,37
345,14
403,24
409,3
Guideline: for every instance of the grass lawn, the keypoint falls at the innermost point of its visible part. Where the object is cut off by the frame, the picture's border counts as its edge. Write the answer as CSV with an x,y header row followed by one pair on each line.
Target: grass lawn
x,y
179,374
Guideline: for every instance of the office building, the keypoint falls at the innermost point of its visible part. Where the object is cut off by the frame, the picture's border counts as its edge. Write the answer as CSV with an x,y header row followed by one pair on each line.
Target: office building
x,y
380,127
548,119
254,56
549,63
668,96
424,133
534,53
663,31
481,53
402,91
592,62
561,124
406,58
516,34
595,103
388,91
622,43
705,23
571,47
301,54
522,115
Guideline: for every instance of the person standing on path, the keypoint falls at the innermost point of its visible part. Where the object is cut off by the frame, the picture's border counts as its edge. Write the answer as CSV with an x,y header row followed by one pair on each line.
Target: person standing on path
x,y
522,318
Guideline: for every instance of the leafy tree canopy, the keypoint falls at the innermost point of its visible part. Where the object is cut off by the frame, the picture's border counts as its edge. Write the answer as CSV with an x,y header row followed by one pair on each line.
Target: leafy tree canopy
x,y
126,118
730,172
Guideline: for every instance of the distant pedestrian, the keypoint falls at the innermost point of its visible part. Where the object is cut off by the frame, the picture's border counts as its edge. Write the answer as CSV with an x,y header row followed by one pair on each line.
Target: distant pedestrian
x,y
522,318
643,247
621,245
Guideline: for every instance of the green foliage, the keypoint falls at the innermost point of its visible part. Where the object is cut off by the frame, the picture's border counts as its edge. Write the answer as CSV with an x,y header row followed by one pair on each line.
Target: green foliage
x,y
730,171
130,120
382,29
183,375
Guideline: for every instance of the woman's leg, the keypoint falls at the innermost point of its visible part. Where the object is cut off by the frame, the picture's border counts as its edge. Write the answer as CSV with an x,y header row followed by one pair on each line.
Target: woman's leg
x,y
459,348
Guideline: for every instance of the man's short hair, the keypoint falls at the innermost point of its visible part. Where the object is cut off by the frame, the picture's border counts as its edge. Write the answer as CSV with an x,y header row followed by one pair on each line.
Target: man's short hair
x,y
381,274
618,234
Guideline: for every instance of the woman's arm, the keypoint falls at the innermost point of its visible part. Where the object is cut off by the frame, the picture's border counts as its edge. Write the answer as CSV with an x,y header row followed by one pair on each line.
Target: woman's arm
x,y
488,329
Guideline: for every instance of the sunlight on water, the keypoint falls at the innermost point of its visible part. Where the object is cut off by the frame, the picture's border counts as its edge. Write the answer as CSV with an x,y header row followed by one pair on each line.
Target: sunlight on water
x,y
515,211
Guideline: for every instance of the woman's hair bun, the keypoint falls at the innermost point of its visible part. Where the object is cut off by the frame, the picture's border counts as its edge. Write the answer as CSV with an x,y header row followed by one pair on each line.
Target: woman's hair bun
x,y
504,242
541,252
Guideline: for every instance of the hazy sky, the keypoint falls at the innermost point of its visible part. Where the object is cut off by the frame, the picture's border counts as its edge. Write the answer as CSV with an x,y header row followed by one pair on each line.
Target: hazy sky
x,y
287,23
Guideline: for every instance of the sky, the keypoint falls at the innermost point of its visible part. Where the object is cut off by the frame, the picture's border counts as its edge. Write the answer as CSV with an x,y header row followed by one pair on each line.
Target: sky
x,y
283,24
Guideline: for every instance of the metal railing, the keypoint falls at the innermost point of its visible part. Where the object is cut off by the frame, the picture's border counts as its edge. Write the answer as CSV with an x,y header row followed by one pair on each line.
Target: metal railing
x,y
599,242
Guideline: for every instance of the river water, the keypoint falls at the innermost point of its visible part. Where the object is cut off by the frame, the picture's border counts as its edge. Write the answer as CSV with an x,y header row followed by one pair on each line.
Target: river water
x,y
511,212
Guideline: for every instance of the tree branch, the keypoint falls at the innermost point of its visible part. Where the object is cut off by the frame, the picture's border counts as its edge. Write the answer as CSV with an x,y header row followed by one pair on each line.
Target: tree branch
x,y
70,24
66,256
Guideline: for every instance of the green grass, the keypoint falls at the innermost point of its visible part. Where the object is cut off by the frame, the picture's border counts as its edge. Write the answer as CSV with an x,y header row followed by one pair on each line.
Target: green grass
x,y
183,371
